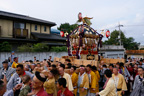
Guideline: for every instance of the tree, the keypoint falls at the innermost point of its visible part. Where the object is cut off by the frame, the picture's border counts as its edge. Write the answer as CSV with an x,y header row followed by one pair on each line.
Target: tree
x,y
128,43
141,48
25,48
40,47
66,27
59,49
5,47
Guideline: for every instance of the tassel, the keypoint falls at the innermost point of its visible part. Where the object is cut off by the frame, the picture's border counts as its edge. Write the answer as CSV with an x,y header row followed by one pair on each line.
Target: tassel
x,y
95,41
86,40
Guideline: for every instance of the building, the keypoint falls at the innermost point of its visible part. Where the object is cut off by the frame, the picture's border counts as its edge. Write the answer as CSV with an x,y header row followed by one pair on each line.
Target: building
x,y
112,51
141,47
135,53
20,29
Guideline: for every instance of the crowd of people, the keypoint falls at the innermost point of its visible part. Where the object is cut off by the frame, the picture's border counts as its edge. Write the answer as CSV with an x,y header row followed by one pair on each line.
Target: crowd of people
x,y
48,78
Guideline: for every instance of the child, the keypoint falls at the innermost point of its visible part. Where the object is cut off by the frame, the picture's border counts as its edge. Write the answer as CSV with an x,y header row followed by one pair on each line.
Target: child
x,y
63,90
49,85
26,88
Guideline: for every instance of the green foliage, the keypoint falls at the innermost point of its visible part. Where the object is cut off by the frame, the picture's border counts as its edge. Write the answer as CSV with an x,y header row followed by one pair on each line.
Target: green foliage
x,y
141,48
66,27
25,48
5,47
113,40
40,47
128,43
59,49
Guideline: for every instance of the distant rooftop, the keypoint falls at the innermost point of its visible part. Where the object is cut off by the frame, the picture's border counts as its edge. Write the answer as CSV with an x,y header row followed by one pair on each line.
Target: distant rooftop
x,y
112,47
55,31
134,52
14,16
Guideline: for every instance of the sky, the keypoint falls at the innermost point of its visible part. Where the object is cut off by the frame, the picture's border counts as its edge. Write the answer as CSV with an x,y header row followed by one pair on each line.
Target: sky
x,y
107,14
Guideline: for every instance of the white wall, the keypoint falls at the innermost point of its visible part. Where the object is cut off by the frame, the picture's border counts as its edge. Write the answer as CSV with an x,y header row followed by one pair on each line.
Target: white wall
x,y
30,55
114,54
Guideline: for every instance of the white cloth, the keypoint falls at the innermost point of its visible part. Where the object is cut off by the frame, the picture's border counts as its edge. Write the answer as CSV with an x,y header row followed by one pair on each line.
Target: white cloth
x,y
116,79
80,79
89,75
86,40
9,93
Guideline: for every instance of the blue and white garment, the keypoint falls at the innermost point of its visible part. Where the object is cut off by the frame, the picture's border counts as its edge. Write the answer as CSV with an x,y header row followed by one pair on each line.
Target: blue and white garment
x,y
137,81
12,58
9,93
138,88
15,79
8,72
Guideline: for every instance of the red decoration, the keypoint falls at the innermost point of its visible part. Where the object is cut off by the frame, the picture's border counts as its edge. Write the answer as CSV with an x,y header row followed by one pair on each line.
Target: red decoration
x,y
94,45
74,45
62,34
80,16
107,33
84,52
81,28
94,52
74,52
83,46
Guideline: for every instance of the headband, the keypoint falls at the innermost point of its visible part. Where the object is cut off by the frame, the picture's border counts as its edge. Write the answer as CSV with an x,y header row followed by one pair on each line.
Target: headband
x,y
37,74
82,68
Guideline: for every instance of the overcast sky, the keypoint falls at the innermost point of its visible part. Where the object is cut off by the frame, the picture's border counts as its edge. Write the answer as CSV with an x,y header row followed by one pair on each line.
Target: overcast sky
x,y
106,13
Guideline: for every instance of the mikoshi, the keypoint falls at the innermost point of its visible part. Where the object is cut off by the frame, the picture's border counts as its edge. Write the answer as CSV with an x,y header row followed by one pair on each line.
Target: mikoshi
x,y
84,42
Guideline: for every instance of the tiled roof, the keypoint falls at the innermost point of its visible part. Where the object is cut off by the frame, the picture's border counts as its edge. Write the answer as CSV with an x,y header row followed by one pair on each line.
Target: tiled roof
x,y
24,17
43,36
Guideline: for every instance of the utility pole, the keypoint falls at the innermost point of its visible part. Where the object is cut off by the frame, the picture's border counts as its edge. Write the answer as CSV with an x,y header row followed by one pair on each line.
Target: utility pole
x,y
120,33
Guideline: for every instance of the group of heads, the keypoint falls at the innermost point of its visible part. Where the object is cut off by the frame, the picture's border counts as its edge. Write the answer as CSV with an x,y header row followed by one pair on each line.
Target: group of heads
x,y
40,78
115,70
50,57
73,69
88,68
37,81
31,65
61,81
19,68
107,73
